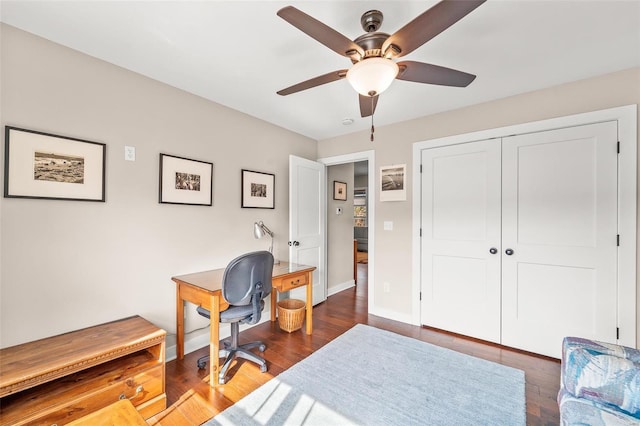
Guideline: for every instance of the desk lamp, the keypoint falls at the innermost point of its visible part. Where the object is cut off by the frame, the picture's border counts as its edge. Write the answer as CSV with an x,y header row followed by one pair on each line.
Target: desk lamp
x,y
259,229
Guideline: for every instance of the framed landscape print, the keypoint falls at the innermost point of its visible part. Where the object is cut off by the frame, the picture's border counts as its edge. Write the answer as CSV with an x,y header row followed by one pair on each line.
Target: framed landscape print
x,y
392,183
339,191
185,181
47,166
258,190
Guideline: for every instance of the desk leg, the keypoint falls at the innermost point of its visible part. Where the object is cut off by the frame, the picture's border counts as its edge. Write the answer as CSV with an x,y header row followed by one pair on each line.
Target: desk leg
x,y
310,303
274,300
214,341
179,323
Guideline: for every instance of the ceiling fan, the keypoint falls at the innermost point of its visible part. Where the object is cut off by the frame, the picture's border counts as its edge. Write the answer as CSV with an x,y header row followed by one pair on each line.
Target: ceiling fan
x,y
373,53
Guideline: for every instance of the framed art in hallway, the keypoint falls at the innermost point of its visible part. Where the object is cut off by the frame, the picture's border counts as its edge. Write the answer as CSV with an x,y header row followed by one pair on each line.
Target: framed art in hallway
x,y
339,191
185,181
392,183
258,190
47,166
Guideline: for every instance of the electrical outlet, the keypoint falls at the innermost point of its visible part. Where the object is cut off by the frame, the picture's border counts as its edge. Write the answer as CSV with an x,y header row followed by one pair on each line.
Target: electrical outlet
x,y
387,287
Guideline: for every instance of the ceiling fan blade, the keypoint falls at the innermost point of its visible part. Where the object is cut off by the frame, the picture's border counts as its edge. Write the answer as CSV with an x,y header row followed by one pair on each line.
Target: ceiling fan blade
x,y
367,105
321,32
428,25
433,74
316,81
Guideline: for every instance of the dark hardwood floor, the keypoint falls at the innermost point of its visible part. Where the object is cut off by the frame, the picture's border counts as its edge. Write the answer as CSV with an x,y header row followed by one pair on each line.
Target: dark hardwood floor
x,y
191,401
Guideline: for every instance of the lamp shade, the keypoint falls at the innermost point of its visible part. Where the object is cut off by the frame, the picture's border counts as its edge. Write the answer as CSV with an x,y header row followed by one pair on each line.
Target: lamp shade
x,y
257,230
372,76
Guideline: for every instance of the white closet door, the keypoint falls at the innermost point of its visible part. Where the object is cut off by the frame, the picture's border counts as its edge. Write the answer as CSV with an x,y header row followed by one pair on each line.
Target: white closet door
x,y
560,220
460,225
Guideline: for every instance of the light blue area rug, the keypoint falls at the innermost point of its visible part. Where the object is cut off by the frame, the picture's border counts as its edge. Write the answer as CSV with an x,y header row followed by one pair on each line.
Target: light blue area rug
x,y
369,376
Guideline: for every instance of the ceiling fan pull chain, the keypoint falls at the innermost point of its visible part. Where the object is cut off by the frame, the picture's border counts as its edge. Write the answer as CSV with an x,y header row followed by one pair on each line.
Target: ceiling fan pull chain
x,y
372,128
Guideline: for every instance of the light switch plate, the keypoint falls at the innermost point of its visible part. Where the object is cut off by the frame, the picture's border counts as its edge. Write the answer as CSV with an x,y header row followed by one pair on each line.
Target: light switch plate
x,y
388,225
130,153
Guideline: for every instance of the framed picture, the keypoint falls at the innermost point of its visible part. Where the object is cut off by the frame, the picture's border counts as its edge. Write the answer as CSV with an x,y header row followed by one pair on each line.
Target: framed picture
x,y
392,183
185,181
46,166
257,190
339,191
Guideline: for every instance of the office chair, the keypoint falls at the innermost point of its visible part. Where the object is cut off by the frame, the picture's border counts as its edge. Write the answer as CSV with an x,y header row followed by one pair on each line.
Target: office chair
x,y
245,284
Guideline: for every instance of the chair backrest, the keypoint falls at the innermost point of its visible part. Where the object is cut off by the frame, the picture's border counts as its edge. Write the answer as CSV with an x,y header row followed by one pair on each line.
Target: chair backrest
x,y
246,276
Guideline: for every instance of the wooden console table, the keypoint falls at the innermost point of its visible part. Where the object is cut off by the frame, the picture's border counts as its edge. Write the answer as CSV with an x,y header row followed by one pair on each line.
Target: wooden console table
x,y
119,413
62,378
205,289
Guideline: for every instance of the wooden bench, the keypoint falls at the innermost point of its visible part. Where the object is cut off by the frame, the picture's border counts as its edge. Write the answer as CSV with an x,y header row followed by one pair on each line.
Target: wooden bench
x,y
62,378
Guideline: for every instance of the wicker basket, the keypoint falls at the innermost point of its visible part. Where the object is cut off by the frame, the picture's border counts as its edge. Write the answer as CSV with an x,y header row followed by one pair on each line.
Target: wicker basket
x,y
291,314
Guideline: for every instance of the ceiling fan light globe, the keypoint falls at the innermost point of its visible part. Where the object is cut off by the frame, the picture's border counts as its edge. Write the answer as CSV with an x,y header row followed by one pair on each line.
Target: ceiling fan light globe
x,y
372,75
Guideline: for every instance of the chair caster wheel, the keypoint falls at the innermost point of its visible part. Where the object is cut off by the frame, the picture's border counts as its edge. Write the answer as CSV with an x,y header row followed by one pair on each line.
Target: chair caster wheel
x,y
263,368
261,348
201,365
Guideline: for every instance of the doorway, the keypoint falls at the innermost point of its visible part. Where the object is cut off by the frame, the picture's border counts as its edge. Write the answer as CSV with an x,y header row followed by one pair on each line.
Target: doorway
x,y
369,158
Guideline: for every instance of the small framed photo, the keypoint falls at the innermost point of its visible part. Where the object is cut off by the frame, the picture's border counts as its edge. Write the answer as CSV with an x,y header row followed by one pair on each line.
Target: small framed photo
x,y
258,190
392,183
46,166
339,191
185,181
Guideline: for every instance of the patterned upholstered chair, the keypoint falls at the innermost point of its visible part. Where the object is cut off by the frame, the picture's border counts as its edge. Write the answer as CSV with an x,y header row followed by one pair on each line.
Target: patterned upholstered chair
x,y
600,383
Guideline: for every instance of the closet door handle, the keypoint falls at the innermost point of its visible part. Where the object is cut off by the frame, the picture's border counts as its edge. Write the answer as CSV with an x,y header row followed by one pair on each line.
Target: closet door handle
x,y
493,250
508,252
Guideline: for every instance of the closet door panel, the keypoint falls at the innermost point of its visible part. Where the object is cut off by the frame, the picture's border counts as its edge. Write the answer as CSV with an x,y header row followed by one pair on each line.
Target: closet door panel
x,y
560,221
460,224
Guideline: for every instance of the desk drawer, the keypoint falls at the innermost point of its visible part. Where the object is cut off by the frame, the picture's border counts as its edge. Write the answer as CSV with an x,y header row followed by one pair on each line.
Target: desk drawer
x,y
292,281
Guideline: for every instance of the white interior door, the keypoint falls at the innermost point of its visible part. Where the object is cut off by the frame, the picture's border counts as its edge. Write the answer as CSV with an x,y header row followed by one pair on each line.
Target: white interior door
x,y
461,238
559,237
307,211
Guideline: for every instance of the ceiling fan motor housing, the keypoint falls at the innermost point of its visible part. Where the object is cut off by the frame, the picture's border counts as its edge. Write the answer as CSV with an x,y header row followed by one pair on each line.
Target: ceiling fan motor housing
x,y
371,43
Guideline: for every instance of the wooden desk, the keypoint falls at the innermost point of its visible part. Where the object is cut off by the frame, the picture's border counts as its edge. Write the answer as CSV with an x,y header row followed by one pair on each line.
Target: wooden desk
x,y
205,289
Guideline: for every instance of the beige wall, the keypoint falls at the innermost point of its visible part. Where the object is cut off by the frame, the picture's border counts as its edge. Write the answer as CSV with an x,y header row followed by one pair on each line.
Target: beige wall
x,y
393,145
69,264
65,264
339,230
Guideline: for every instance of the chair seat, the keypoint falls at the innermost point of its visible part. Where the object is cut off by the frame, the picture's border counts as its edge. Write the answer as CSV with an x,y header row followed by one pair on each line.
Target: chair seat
x,y
232,314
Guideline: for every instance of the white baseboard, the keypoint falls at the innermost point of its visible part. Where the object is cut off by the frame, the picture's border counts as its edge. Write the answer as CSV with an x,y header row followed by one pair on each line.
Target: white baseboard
x,y
392,315
338,288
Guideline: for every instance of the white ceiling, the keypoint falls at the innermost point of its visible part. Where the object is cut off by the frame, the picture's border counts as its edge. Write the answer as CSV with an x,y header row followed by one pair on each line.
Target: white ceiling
x,y
239,53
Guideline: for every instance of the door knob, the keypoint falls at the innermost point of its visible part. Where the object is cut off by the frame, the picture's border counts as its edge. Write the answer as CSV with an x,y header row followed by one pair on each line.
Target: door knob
x,y
294,243
493,250
508,252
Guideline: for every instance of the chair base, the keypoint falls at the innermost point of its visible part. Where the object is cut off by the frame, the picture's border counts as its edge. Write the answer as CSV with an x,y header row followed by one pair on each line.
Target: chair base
x,y
232,350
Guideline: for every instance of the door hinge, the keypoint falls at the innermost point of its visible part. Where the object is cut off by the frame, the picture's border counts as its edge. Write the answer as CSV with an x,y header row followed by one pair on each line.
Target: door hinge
x,y
618,240
420,232
421,164
618,147
617,333
421,296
